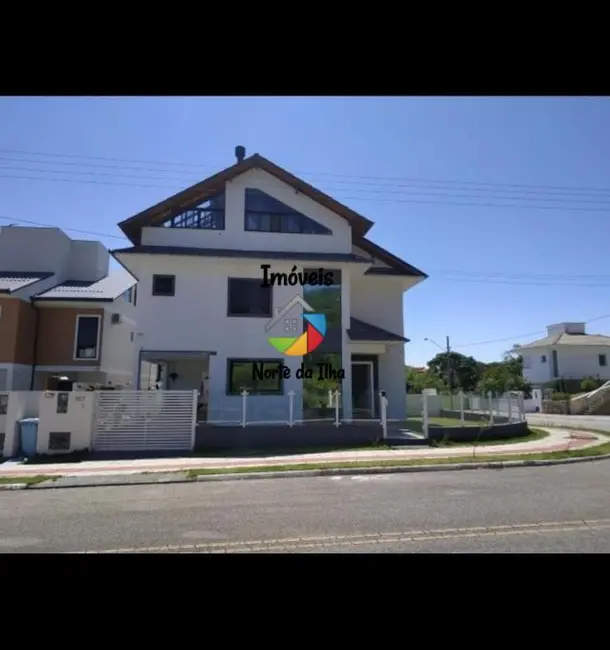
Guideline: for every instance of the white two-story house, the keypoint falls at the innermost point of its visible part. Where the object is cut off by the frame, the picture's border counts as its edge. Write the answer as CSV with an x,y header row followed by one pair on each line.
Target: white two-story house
x,y
567,352
204,315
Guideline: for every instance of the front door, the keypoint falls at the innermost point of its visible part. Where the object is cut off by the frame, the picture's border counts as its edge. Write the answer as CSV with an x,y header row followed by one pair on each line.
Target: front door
x,y
363,404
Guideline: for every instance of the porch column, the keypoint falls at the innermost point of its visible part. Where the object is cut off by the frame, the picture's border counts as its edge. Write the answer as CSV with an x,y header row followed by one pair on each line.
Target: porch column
x,y
346,356
392,380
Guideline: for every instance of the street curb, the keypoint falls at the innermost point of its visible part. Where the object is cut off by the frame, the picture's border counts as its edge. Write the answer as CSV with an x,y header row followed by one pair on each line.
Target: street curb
x,y
343,471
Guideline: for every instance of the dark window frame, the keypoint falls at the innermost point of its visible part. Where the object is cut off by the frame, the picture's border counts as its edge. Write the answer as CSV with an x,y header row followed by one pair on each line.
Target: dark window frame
x,y
163,276
201,217
255,282
602,360
79,347
279,221
543,358
234,392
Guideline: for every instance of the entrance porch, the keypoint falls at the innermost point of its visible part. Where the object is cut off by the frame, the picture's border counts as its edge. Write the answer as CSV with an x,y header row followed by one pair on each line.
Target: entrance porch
x,y
177,370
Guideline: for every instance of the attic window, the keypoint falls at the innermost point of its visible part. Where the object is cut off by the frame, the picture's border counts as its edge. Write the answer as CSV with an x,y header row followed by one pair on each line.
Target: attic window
x,y
265,214
209,215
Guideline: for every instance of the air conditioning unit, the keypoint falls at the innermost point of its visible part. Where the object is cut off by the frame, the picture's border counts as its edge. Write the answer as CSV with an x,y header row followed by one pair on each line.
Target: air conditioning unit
x,y
115,319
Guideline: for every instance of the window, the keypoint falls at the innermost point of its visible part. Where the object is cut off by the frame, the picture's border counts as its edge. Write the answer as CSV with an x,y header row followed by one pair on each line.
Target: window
x,y
164,285
246,297
266,214
246,374
543,358
87,337
602,360
131,336
209,215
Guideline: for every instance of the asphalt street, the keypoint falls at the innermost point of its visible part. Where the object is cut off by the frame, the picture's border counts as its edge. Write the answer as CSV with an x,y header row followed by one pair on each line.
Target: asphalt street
x,y
545,509
599,422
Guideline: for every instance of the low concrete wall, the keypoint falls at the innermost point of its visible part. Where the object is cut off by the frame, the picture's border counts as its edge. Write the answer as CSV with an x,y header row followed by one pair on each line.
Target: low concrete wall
x,y
482,434
321,434
472,416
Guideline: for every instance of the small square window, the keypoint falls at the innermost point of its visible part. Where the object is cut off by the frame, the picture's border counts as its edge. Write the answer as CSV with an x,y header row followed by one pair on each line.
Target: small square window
x,y
3,403
602,360
164,285
543,358
131,336
62,402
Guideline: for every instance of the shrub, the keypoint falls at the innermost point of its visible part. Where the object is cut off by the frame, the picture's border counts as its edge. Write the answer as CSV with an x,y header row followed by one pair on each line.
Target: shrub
x,y
588,384
560,397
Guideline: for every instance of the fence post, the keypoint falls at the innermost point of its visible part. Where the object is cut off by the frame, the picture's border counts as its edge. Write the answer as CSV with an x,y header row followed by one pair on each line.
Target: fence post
x,y
244,397
462,407
424,404
195,419
337,421
510,407
383,403
290,408
522,406
491,407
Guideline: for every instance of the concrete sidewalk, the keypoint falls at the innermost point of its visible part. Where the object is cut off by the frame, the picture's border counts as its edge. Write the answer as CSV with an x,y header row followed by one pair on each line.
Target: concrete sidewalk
x,y
558,440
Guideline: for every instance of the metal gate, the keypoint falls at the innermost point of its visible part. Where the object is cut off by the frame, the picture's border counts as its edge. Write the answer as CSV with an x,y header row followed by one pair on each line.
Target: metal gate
x,y
151,420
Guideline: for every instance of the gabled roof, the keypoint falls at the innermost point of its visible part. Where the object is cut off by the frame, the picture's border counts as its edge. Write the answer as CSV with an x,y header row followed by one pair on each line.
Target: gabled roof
x,y
196,194
107,289
11,281
361,331
562,338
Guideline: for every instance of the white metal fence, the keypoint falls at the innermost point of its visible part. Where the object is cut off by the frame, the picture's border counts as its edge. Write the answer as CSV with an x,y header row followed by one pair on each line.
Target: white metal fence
x,y
463,407
144,420
288,410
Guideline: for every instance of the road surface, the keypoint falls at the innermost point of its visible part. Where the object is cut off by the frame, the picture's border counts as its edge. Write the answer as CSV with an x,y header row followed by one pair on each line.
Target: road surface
x,y
546,509
600,422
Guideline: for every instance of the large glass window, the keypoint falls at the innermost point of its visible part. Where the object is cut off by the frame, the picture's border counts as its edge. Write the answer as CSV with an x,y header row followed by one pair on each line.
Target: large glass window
x,y
208,215
257,377
266,214
246,297
325,300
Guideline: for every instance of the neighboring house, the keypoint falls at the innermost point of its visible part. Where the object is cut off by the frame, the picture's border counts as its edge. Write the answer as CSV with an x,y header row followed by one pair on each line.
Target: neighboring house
x,y
62,312
203,312
567,352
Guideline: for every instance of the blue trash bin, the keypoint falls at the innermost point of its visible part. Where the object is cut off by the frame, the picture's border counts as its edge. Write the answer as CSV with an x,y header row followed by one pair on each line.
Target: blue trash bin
x,y
29,434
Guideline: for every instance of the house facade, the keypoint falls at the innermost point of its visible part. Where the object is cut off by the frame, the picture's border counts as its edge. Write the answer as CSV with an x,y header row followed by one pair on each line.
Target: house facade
x,y
567,352
253,275
62,312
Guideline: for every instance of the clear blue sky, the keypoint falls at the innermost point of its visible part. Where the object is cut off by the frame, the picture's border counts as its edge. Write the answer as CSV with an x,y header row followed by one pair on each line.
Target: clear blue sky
x,y
477,192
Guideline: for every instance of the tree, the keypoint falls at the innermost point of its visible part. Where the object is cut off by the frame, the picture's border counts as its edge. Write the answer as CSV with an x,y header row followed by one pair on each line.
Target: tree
x,y
417,380
465,371
504,376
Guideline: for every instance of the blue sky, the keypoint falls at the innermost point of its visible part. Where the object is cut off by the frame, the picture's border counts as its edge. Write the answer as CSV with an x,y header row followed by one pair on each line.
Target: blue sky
x,y
503,201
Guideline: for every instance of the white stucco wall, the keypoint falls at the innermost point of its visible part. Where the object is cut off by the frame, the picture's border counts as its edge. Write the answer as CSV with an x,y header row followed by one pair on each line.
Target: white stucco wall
x,y
195,318
574,362
235,237
15,376
119,351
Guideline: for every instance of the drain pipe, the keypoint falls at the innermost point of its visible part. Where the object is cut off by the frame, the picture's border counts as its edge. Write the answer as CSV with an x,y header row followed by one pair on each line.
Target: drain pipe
x,y
36,338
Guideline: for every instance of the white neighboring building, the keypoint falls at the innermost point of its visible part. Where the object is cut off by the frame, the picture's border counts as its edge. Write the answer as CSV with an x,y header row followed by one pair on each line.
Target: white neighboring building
x,y
567,352
202,311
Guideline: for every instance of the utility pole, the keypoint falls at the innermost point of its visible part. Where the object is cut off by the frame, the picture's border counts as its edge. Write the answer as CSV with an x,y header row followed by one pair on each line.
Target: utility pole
x,y
449,370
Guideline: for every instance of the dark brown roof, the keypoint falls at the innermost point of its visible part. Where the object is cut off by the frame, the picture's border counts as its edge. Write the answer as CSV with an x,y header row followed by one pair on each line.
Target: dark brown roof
x,y
359,330
397,266
196,194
